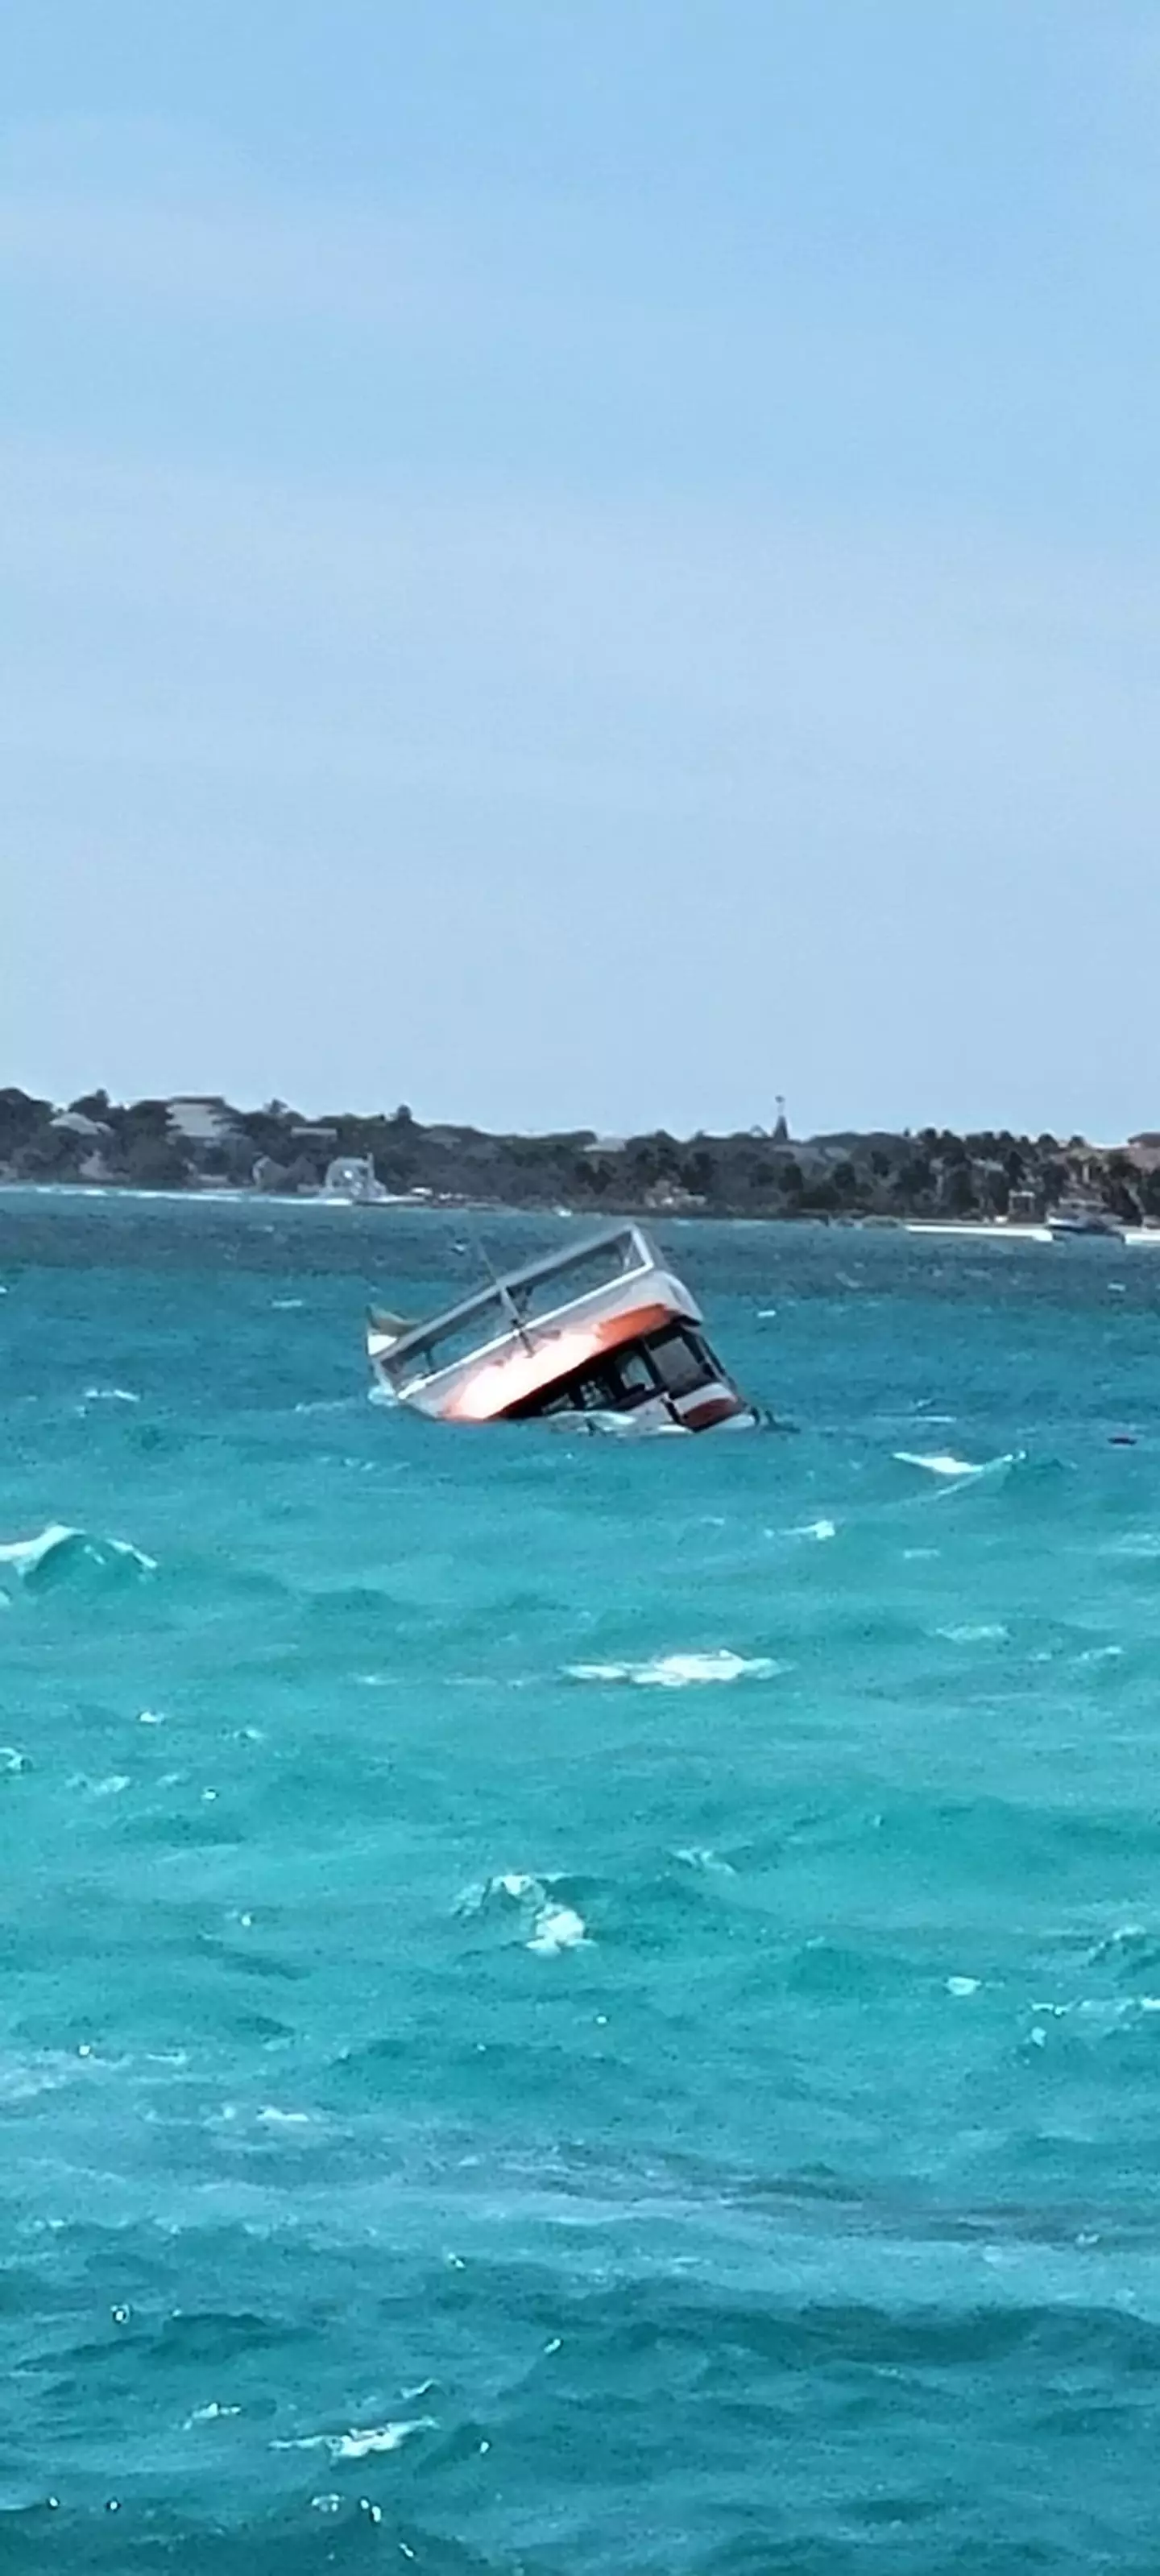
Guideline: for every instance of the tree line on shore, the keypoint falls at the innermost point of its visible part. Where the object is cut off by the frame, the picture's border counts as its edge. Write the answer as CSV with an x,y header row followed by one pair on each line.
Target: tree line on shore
x,y
931,1172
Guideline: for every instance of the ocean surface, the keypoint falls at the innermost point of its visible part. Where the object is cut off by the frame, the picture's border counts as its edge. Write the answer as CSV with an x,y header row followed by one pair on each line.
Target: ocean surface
x,y
576,2006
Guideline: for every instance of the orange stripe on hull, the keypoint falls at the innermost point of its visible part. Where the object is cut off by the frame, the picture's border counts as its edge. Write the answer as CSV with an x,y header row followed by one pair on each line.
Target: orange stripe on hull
x,y
498,1384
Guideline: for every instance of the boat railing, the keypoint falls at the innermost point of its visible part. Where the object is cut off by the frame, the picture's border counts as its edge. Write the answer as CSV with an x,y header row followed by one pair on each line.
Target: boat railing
x,y
532,1298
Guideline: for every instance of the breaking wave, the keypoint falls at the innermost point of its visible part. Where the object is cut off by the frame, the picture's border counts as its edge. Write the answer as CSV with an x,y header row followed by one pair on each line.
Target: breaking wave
x,y
59,1549
944,1463
682,1672
546,1922
363,2442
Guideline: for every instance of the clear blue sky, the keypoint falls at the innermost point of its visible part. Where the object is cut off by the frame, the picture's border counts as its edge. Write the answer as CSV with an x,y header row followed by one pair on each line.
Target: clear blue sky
x,y
585,560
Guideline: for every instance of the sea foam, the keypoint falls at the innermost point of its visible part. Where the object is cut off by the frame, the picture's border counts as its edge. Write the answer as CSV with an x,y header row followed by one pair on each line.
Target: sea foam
x,y
682,1671
58,1545
363,2441
944,1463
548,1923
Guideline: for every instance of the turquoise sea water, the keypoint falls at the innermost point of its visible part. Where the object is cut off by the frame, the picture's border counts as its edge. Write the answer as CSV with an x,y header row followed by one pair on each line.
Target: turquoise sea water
x,y
576,2006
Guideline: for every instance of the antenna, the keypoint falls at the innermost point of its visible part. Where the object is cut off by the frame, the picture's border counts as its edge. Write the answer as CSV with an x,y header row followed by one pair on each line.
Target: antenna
x,y
503,1293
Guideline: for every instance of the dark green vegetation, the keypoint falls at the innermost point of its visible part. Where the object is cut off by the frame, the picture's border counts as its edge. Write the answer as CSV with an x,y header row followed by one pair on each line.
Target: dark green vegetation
x,y
190,1144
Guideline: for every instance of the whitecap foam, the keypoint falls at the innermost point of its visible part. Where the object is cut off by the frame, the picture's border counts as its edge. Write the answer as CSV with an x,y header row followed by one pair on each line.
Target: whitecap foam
x,y
944,1463
550,1924
110,1395
700,1856
24,1555
681,1672
363,2441
979,1632
508,1887
821,1529
59,1540
516,1883
122,1547
556,1928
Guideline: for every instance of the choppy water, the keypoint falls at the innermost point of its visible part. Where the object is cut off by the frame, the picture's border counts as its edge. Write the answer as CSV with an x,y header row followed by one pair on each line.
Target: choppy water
x,y
573,2006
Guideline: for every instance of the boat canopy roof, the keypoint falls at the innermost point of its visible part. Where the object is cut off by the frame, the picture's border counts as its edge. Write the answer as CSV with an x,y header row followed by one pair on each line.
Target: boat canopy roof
x,y
519,1301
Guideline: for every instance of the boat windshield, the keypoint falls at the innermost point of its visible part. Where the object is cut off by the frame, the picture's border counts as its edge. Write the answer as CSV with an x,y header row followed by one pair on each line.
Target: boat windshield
x,y
524,1298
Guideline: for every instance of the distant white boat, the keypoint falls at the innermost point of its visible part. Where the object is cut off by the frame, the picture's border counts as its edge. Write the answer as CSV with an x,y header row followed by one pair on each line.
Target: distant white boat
x,y
1077,1215
352,1178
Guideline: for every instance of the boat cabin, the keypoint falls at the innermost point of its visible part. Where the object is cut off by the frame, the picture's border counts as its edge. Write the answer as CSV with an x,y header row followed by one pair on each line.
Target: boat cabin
x,y
602,1327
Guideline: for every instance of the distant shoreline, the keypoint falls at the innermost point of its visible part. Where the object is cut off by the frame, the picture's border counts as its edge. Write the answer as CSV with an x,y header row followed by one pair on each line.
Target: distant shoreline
x,y
203,1146
963,1230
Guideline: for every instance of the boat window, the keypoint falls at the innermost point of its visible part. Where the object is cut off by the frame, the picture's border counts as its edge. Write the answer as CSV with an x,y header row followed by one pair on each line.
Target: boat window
x,y
680,1360
578,1274
486,1322
613,1385
630,1376
593,1391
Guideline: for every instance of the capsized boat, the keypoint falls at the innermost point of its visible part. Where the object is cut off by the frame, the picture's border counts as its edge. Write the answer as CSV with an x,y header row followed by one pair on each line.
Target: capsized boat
x,y
604,1329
